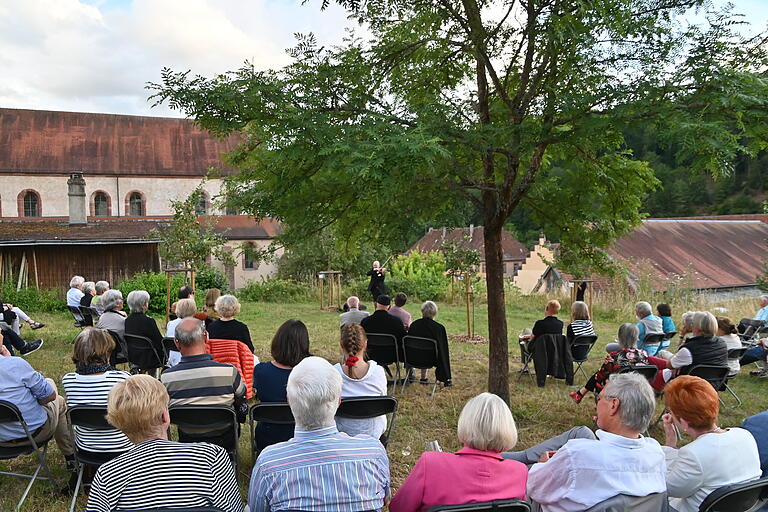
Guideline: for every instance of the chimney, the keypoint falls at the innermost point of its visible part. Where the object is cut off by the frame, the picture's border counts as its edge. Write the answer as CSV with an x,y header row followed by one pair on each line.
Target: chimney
x,y
471,230
76,193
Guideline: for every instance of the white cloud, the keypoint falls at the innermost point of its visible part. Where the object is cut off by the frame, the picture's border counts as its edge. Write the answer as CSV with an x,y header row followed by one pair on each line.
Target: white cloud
x,y
98,55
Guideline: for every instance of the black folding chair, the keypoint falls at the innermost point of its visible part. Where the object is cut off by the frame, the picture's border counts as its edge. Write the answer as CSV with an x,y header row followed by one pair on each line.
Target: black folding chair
x,y
734,353
486,506
582,346
420,353
94,418
144,354
745,497
278,413
120,354
212,417
364,407
652,342
715,375
526,357
89,315
648,371
384,349
9,413
78,316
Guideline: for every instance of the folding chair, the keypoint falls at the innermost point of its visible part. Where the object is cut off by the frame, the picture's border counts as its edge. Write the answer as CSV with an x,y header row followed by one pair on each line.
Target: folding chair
x,y
715,375
734,353
648,371
214,417
526,356
652,342
364,407
88,315
120,354
78,316
94,418
419,353
745,497
143,354
486,506
278,413
9,413
384,349
577,346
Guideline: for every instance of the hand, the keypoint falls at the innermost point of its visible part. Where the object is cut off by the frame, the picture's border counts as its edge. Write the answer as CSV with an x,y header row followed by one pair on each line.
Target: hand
x,y
669,430
4,350
547,455
608,359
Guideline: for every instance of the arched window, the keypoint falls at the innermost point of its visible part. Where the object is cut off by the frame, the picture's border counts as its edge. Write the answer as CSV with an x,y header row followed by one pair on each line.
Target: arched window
x,y
101,204
136,206
29,204
249,260
201,208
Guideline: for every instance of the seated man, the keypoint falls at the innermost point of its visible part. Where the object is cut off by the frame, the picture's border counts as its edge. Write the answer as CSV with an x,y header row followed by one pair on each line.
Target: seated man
x,y
398,311
354,473
75,292
648,323
41,407
11,341
199,380
158,473
762,313
382,322
574,474
354,315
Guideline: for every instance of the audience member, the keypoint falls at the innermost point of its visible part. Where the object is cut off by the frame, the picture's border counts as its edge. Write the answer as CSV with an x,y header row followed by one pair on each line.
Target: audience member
x,y
726,331
581,325
13,316
477,472
159,473
102,287
627,355
75,293
360,378
290,346
184,309
113,317
89,290
199,380
762,313
186,292
665,313
574,474
226,327
702,348
647,324
550,324
685,332
90,384
11,341
44,411
427,327
210,305
139,323
757,425
353,315
398,311
716,456
380,321
285,478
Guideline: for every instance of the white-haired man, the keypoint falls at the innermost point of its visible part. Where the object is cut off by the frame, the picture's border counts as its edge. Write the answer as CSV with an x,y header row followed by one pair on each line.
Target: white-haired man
x,y
354,315
584,471
648,323
305,473
75,292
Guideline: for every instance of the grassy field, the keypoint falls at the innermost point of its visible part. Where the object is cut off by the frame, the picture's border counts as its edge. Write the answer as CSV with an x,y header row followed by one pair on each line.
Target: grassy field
x,y
539,413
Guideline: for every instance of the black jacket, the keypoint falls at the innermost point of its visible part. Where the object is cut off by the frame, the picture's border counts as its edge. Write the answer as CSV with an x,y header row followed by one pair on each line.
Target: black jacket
x,y
382,322
552,356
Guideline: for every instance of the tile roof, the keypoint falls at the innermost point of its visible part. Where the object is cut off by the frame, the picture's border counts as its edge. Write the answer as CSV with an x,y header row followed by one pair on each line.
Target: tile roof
x,y
244,227
47,142
434,239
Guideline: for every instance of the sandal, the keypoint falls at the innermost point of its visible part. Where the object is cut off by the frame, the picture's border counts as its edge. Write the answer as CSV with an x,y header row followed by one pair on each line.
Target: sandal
x,y
36,325
577,396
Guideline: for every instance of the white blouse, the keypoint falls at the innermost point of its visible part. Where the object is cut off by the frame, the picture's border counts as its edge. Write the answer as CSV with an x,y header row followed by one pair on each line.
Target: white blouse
x,y
373,383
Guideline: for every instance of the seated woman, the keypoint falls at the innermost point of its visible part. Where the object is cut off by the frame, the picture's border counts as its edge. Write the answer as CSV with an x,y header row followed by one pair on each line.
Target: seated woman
x,y
667,324
702,348
360,378
550,324
113,317
90,384
427,327
580,325
158,473
139,323
210,305
726,331
13,316
627,355
89,289
475,473
715,457
184,308
226,327
289,346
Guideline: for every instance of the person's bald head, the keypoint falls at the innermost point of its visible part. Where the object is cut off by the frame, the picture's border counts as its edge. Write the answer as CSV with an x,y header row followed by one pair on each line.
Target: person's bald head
x,y
190,336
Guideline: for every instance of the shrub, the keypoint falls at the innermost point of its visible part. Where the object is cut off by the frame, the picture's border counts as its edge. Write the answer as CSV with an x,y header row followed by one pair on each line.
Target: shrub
x,y
275,290
156,285
210,277
32,299
420,275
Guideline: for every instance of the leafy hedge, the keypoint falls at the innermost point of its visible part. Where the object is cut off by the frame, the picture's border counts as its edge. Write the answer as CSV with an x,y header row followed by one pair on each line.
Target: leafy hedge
x,y
275,290
32,299
156,285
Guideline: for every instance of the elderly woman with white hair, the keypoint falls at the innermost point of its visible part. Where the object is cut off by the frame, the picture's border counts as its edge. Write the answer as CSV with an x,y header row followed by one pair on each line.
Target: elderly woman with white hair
x,y
139,323
75,293
477,472
226,327
427,327
113,317
704,347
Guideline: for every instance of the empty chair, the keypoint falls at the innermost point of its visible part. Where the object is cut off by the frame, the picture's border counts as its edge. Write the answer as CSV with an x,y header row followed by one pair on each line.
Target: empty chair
x,y
486,506
364,407
420,353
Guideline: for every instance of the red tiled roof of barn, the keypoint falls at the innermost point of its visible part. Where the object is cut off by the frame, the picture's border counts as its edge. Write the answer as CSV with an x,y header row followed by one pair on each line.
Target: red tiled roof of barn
x,y
434,239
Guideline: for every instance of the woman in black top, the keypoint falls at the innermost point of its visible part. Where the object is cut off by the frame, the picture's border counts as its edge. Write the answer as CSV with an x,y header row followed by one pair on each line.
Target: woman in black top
x,y
138,323
89,289
226,327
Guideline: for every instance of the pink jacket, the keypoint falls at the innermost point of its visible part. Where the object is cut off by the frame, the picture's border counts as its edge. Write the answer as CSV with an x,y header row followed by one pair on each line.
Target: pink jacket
x,y
467,476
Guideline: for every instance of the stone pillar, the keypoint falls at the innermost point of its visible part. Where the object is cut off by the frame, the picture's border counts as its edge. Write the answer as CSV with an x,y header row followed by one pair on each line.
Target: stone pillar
x,y
76,193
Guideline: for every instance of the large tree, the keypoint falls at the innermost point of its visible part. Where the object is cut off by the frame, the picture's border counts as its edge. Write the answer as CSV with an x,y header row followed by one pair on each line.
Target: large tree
x,y
501,105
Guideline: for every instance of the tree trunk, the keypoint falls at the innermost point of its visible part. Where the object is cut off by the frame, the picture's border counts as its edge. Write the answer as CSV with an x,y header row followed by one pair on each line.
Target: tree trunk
x,y
498,350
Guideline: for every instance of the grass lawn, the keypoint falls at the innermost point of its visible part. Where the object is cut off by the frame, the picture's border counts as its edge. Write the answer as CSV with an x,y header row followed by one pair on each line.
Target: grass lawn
x,y
539,413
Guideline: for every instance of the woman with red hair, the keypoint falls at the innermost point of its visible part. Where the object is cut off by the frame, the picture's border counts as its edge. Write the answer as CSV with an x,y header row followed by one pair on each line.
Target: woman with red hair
x,y
716,456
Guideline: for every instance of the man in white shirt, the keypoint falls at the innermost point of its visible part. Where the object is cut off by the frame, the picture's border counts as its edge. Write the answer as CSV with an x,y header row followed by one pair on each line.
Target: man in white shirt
x,y
585,472
75,293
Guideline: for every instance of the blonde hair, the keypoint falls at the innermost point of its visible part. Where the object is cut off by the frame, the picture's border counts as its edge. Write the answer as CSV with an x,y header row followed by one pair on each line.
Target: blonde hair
x,y
486,423
579,311
705,322
185,308
136,407
227,305
553,306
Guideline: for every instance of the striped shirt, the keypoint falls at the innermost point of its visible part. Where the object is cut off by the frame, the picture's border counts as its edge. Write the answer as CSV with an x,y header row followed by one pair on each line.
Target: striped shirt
x,y
320,471
582,328
94,390
160,473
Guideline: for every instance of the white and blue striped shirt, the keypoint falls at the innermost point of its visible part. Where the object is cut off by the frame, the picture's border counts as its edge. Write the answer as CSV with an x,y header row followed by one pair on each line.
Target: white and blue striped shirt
x,y
321,470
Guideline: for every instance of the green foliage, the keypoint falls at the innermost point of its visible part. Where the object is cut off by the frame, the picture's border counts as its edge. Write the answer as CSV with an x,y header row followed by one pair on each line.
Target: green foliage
x,y
419,275
32,299
275,290
460,260
156,284
210,277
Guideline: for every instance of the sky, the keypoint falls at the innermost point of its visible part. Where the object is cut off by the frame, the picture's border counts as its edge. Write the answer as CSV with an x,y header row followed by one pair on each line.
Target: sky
x,y
97,55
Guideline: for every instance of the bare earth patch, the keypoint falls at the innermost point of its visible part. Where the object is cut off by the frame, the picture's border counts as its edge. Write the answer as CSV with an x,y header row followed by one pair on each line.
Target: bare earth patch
x,y
464,338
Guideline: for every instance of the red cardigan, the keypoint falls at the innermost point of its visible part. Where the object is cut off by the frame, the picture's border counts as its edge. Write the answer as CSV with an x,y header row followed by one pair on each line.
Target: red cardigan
x,y
238,355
